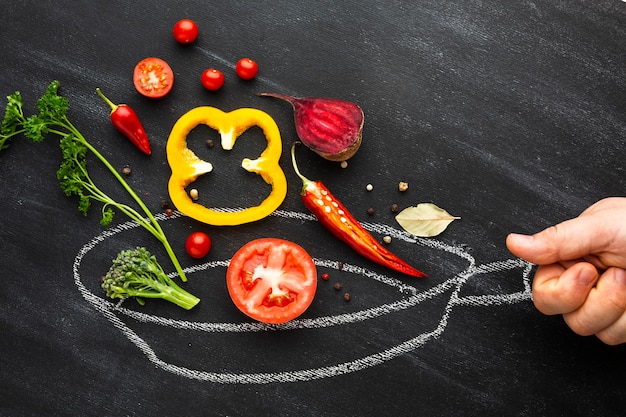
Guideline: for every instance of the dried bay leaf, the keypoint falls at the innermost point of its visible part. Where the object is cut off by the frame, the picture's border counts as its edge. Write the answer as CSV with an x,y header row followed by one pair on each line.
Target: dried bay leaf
x,y
425,220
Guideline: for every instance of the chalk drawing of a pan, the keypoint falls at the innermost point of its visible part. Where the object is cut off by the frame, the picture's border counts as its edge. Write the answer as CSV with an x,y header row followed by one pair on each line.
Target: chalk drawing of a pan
x,y
266,354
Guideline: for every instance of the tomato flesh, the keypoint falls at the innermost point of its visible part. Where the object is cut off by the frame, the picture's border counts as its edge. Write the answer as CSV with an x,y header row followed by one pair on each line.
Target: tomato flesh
x,y
272,280
153,77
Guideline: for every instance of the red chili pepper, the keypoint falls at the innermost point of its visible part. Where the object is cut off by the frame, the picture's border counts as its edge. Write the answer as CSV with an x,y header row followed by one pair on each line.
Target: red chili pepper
x,y
338,220
127,122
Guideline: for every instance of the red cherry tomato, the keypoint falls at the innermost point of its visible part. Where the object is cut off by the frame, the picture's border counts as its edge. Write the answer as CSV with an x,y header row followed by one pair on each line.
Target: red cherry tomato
x,y
185,31
212,79
153,77
198,245
246,68
272,280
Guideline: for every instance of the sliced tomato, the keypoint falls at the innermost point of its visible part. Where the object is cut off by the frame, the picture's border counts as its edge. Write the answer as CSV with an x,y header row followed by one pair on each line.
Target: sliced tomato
x,y
272,280
153,77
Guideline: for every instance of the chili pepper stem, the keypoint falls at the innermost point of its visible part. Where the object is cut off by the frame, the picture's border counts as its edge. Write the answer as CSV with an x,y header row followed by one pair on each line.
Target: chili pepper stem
x,y
305,180
109,102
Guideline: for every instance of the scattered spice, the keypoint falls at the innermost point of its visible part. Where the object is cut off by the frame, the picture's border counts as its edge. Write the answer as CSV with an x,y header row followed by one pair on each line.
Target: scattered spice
x,y
169,212
394,208
403,186
369,187
325,276
346,296
126,170
370,211
165,204
337,286
210,143
340,265
344,164
387,239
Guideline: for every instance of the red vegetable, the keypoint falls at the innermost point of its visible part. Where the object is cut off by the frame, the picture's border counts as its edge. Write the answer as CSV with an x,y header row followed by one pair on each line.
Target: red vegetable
x,y
212,79
185,31
271,280
338,220
246,68
153,77
126,121
331,128
198,245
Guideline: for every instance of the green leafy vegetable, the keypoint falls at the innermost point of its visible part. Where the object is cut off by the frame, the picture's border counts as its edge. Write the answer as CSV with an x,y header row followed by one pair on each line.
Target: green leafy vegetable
x,y
425,220
73,174
136,273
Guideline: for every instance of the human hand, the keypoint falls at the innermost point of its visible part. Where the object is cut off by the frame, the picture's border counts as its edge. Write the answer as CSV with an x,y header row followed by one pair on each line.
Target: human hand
x,y
581,270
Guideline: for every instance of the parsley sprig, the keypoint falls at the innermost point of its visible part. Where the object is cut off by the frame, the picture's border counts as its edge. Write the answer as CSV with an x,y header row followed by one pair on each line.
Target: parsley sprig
x,y
73,175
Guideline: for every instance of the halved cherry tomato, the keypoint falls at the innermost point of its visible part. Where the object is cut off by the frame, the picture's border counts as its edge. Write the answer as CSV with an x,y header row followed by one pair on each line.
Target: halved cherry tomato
x,y
272,280
153,77
212,79
198,245
246,68
185,31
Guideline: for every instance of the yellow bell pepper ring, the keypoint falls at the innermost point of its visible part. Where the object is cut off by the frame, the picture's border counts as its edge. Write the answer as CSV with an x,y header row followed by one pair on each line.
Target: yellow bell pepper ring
x,y
186,166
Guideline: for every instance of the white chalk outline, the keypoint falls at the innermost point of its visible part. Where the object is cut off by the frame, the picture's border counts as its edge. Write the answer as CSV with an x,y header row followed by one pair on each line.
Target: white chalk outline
x,y
110,309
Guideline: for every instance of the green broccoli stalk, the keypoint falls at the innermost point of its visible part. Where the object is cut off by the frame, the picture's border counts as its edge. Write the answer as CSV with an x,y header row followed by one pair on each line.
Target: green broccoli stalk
x,y
136,273
72,174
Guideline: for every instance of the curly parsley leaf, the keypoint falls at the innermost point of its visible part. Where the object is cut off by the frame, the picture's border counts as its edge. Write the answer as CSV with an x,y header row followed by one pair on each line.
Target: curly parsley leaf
x,y
72,173
13,118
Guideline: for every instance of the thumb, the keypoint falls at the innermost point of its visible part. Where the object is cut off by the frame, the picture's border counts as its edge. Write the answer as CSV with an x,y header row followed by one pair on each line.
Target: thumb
x,y
569,240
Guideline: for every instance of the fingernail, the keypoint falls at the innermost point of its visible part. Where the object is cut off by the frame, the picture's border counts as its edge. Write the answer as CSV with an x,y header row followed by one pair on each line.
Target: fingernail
x,y
620,276
521,239
587,277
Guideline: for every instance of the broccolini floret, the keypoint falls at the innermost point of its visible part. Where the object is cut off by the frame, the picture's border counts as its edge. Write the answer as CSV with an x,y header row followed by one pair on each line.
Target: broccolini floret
x,y
135,273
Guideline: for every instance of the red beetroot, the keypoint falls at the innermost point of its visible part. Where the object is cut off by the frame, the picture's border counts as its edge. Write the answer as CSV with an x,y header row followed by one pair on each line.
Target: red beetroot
x,y
329,127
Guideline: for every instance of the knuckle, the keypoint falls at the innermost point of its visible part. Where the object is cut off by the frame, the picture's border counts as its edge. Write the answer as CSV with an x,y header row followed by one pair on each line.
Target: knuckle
x,y
610,338
579,324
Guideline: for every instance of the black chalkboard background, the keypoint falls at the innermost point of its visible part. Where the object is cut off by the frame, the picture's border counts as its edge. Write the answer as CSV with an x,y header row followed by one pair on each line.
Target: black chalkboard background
x,y
510,114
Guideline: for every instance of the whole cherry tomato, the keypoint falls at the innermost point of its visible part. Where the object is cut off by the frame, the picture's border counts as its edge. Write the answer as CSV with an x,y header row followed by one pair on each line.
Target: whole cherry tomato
x,y
198,245
212,79
185,31
246,68
271,280
153,77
